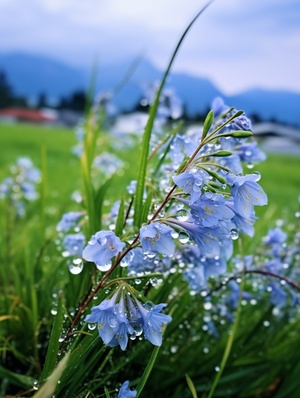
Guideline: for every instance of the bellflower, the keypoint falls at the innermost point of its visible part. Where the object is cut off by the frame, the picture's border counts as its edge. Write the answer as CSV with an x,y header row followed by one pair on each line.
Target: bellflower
x,y
125,391
246,193
203,268
207,239
142,263
210,209
153,321
250,153
102,247
156,237
119,317
243,223
69,220
74,244
122,327
104,315
191,182
275,236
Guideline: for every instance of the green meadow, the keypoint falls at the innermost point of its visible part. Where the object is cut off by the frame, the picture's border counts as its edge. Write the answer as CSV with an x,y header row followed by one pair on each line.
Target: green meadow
x,y
40,292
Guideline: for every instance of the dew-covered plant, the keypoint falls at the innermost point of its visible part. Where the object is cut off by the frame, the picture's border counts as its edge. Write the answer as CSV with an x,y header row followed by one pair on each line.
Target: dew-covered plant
x,y
155,292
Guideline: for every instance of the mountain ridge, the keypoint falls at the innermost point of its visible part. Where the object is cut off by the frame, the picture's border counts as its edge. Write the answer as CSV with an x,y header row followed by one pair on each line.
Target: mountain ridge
x,y
31,74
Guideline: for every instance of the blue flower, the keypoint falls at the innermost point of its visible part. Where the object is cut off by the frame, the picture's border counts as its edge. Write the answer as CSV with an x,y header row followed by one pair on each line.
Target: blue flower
x,y
125,392
275,236
74,244
117,319
102,247
153,321
122,327
156,237
142,262
278,296
191,182
250,152
243,223
104,315
209,209
201,268
246,193
69,220
207,239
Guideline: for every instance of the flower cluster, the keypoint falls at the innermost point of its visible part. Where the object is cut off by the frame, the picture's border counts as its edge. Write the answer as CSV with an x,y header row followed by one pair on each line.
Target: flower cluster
x,y
21,187
72,239
123,316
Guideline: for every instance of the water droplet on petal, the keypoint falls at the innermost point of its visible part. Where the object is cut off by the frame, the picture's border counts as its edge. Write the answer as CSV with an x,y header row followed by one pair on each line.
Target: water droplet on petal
x,y
234,234
183,237
103,268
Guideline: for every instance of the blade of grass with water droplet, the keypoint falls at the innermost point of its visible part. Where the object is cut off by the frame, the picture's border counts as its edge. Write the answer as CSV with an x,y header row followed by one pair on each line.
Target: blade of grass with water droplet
x,y
143,160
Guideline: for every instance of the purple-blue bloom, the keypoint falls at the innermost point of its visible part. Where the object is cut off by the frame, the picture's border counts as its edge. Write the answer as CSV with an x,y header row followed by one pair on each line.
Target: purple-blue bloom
x,y
118,318
210,209
250,152
275,236
122,327
243,223
102,247
207,239
74,244
125,391
246,193
191,182
153,321
201,268
104,315
156,237
69,220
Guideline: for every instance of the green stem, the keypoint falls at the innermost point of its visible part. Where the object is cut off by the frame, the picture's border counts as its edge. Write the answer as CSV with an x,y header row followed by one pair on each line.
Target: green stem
x,y
229,341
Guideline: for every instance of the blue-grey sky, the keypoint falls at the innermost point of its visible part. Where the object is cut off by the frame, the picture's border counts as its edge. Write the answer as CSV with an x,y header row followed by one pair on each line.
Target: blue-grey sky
x,y
238,44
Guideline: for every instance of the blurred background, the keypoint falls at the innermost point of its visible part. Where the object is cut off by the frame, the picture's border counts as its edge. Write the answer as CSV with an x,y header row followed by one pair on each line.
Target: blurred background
x,y
245,52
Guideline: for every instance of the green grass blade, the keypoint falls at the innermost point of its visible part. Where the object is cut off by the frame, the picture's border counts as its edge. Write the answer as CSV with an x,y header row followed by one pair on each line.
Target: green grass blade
x,y
47,390
207,123
120,219
148,130
53,346
191,386
16,379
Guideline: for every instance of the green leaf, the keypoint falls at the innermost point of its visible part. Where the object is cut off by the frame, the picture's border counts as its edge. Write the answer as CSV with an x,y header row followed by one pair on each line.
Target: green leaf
x,y
146,208
221,153
148,130
237,134
120,219
107,394
191,386
207,123
48,389
53,346
214,174
16,379
99,199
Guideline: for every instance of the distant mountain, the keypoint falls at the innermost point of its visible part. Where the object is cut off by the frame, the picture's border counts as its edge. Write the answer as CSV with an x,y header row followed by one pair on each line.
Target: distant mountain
x,y
31,75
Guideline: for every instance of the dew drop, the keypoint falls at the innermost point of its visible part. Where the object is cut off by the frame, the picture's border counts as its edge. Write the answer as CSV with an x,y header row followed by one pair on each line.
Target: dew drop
x,y
207,306
103,268
183,237
53,311
182,215
92,326
234,234
75,269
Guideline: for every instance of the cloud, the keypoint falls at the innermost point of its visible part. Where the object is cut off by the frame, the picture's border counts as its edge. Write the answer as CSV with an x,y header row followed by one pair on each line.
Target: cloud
x,y
236,43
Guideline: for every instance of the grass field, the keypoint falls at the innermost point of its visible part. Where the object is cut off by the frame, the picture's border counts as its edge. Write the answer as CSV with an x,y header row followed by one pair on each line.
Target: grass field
x,y
280,173
34,274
